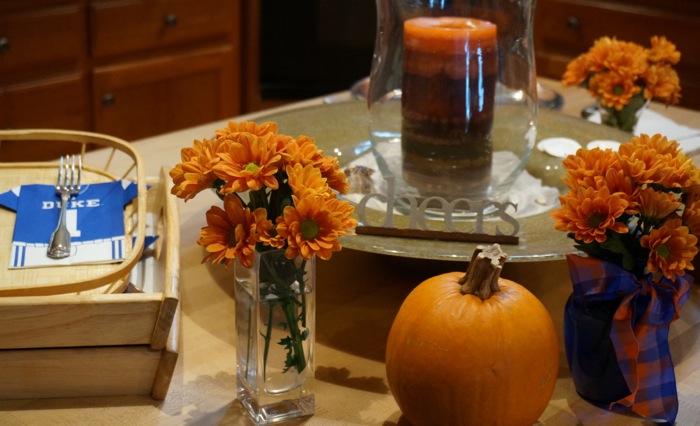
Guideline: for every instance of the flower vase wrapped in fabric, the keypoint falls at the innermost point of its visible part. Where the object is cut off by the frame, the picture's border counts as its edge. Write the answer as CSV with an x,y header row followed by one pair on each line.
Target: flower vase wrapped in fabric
x,y
635,213
624,77
280,212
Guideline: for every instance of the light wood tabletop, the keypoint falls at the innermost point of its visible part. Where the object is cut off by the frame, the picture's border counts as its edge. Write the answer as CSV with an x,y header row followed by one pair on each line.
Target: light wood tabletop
x,y
358,295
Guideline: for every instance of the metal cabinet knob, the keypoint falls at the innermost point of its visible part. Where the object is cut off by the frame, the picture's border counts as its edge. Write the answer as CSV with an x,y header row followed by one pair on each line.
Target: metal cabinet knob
x,y
108,99
4,44
170,20
572,22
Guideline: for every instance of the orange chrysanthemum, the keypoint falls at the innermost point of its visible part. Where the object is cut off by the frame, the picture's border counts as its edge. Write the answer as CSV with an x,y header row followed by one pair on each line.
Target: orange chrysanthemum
x,y
233,129
310,227
291,204
599,52
662,50
655,206
659,143
656,160
576,71
232,232
642,165
672,249
649,191
195,173
662,83
330,169
691,216
615,90
625,58
307,181
583,167
615,71
589,214
343,210
304,151
249,164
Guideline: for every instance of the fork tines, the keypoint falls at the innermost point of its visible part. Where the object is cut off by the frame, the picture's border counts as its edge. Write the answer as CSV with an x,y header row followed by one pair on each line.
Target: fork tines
x,y
69,173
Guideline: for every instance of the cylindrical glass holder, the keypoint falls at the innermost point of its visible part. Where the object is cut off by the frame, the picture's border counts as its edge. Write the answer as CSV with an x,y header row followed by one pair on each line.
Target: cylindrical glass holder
x,y
453,96
275,334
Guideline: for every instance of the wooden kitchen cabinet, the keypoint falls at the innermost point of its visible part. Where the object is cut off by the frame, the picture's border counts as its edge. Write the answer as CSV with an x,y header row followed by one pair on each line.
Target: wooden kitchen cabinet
x,y
128,68
43,73
163,65
139,99
566,28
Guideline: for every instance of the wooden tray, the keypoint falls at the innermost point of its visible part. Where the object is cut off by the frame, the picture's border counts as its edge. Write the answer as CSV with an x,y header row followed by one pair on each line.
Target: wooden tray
x,y
109,278
101,344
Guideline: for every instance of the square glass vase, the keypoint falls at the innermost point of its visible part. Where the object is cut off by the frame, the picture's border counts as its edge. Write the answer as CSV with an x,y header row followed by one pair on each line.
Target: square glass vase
x,y
275,333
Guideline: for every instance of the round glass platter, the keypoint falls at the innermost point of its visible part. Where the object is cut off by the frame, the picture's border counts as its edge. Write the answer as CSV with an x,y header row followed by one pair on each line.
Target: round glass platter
x,y
341,130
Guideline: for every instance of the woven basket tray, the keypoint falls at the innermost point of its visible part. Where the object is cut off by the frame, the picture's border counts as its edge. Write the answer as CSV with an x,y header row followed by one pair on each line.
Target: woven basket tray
x,y
100,278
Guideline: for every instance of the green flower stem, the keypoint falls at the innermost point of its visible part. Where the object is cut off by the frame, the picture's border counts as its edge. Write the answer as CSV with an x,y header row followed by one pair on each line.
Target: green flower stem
x,y
302,291
287,301
297,340
267,337
258,199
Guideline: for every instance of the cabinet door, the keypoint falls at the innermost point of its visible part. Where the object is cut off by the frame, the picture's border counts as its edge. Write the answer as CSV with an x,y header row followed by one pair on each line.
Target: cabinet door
x,y
41,42
58,103
144,98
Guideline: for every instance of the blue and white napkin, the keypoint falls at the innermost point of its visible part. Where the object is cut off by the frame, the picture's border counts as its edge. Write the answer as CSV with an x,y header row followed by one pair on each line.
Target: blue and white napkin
x,y
95,219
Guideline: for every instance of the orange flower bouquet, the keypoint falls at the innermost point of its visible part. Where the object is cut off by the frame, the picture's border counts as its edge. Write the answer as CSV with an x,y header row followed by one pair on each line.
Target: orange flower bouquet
x,y
280,211
624,76
636,214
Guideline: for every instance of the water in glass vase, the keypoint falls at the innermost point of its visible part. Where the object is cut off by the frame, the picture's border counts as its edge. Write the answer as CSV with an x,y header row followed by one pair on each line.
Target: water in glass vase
x,y
275,319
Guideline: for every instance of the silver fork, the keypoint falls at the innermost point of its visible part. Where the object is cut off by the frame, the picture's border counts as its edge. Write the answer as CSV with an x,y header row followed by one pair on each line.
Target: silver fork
x,y
70,170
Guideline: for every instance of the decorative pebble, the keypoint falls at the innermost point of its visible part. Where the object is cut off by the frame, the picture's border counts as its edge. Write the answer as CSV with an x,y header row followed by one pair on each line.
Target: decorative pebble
x,y
559,147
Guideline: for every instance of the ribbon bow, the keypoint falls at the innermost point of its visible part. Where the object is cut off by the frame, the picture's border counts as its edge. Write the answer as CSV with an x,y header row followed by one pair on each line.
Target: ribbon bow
x,y
641,346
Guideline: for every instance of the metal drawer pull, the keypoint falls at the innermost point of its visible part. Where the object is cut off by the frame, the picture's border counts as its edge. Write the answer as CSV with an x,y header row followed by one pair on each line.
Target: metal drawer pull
x,y
108,99
572,22
170,20
4,44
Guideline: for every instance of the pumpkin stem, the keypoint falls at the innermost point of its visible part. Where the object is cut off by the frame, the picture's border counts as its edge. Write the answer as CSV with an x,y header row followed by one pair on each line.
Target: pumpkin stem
x,y
484,270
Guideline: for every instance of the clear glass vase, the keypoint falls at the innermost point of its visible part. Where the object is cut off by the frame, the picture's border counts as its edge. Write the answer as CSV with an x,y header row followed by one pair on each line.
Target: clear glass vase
x,y
275,332
453,96
627,117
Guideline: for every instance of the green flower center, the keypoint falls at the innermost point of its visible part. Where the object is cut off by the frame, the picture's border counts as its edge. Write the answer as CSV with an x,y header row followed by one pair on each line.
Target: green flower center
x,y
618,90
309,229
252,167
595,219
663,251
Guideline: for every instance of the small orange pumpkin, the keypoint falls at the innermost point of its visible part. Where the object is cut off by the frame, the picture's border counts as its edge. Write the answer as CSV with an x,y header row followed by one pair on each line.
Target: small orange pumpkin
x,y
472,349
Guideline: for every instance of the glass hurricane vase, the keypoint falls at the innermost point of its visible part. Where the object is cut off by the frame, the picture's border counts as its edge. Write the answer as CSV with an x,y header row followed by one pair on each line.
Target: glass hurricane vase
x,y
275,332
453,96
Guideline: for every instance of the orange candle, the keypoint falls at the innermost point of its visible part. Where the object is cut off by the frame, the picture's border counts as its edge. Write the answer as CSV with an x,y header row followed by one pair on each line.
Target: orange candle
x,y
448,90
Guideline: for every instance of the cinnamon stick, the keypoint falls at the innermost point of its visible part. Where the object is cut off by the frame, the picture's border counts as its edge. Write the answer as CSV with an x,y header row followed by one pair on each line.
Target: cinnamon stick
x,y
437,235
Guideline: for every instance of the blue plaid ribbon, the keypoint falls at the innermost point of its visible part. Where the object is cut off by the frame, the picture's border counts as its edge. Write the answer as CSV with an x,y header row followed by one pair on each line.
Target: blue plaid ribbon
x,y
641,347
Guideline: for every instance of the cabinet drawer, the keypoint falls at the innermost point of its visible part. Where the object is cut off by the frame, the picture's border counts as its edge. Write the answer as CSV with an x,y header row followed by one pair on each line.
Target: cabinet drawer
x,y
144,98
126,27
571,27
41,42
